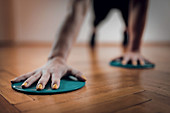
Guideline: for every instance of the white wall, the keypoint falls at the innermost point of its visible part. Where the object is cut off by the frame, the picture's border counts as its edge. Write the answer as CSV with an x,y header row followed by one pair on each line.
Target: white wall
x,y
40,20
6,22
158,25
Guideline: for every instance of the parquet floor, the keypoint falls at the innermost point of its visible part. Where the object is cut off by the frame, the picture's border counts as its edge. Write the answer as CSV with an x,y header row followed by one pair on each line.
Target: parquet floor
x,y
108,89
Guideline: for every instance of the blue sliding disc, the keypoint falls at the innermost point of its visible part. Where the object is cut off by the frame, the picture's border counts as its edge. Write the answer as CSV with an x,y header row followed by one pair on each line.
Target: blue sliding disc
x,y
66,85
117,63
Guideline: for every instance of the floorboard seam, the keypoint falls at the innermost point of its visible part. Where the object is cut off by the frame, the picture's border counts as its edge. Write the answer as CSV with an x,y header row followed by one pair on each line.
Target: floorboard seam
x,y
10,103
81,97
134,105
158,94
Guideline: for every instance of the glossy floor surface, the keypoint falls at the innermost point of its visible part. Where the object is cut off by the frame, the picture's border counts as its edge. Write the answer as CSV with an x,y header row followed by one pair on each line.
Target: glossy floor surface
x,y
108,89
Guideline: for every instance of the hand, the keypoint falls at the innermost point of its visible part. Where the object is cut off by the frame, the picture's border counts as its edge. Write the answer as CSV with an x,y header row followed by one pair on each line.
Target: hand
x,y
55,69
134,57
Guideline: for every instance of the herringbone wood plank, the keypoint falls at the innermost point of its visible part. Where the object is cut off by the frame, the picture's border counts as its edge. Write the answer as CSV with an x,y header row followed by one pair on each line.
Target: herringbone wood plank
x,y
108,89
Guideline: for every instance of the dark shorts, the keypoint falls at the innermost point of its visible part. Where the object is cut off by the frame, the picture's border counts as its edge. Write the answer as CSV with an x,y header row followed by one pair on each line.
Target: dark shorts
x,y
102,7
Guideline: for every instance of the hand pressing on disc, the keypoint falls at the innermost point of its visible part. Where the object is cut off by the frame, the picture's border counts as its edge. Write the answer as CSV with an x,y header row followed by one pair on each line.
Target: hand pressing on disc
x,y
54,69
134,57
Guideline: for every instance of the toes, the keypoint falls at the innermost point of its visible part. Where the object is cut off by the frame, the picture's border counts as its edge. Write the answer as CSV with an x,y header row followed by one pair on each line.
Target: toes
x,y
31,80
55,81
43,80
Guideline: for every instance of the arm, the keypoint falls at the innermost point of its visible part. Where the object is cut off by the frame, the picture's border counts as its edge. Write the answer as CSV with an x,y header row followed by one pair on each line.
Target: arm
x,y
70,29
137,19
56,66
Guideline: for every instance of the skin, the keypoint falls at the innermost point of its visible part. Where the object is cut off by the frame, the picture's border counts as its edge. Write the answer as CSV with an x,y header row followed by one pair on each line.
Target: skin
x,y
137,19
56,66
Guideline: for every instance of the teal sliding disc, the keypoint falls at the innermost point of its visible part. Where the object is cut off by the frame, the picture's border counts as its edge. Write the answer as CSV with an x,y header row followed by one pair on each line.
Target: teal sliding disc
x,y
66,85
117,63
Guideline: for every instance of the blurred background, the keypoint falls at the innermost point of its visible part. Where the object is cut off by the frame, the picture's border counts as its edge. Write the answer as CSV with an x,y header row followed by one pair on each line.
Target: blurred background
x,y
39,21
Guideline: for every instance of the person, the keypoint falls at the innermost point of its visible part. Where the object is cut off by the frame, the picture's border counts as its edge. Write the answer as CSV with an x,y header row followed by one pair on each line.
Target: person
x,y
56,66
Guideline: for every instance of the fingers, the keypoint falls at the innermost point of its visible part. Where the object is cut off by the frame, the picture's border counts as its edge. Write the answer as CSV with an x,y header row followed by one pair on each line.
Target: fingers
x,y
22,77
78,75
141,61
43,80
134,60
31,80
125,60
55,81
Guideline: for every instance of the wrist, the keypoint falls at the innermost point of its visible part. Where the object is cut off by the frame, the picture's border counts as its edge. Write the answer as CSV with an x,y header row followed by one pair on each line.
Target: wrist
x,y
56,57
133,49
56,53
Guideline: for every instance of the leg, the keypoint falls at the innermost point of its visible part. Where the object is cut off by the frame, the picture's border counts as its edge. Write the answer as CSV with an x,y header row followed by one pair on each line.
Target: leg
x,y
100,14
124,8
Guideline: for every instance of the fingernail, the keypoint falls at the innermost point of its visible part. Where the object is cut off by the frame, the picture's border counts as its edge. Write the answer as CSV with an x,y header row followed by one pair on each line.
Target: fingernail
x,y
24,84
55,86
134,63
124,62
39,87
84,77
142,63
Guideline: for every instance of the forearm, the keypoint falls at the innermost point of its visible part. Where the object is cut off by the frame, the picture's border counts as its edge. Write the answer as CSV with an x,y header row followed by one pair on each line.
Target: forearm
x,y
69,30
137,19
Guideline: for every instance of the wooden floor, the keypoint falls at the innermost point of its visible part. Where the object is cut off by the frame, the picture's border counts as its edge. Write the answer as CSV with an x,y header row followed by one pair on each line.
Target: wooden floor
x,y
108,89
